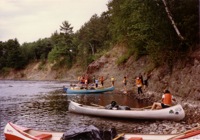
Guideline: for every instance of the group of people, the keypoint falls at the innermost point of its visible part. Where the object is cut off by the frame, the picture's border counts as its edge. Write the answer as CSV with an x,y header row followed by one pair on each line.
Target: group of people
x,y
85,80
139,82
93,82
167,97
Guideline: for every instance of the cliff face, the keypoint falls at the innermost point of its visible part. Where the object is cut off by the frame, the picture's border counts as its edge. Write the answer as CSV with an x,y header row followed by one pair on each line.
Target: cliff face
x,y
183,81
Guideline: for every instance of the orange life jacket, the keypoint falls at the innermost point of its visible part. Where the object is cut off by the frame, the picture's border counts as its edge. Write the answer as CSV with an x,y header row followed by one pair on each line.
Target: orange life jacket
x,y
138,82
167,99
101,79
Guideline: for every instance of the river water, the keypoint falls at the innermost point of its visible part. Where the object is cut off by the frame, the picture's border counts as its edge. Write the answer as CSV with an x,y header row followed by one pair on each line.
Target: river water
x,y
43,105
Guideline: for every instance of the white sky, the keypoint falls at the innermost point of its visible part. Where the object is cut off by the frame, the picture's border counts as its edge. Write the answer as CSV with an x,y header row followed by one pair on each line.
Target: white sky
x,y
29,20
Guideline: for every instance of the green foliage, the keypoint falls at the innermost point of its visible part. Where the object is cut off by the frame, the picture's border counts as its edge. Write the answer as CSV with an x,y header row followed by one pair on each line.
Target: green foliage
x,y
5,71
93,38
123,59
63,52
11,55
144,25
41,65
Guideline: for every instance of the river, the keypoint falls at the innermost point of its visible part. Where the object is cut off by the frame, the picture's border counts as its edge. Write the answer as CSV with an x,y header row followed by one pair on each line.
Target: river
x,y
43,105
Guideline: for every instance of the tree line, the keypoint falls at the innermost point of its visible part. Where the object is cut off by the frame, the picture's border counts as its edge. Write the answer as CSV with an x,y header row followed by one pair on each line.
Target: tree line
x,y
165,30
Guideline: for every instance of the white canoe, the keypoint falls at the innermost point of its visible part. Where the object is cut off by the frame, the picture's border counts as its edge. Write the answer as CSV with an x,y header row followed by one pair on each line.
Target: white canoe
x,y
16,132
175,113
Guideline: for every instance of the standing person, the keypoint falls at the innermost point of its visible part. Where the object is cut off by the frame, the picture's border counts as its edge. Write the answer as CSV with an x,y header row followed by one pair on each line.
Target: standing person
x,y
141,77
166,101
139,85
82,80
125,83
146,84
112,81
93,79
86,82
101,80
96,82
79,79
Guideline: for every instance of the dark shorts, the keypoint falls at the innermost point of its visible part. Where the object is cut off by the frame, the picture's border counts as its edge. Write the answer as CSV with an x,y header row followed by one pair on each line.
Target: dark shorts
x,y
164,106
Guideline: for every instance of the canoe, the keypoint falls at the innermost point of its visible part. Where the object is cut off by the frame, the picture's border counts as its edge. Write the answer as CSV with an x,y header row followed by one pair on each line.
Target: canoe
x,y
175,113
88,91
16,132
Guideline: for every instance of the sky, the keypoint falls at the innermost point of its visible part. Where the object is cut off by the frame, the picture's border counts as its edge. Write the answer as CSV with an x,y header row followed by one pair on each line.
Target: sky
x,y
30,20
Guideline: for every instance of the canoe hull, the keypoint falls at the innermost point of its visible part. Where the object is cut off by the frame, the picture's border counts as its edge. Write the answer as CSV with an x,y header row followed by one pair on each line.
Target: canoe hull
x,y
89,91
175,113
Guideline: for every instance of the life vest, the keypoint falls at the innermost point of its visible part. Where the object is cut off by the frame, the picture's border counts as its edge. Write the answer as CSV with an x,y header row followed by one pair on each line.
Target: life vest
x,y
167,100
101,79
139,82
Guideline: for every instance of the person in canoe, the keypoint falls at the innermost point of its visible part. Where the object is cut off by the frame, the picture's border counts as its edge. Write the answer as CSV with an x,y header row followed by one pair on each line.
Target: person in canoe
x,y
167,99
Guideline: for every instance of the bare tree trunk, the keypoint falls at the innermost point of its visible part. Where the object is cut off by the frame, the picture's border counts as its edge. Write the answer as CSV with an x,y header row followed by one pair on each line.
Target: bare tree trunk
x,y
172,21
92,48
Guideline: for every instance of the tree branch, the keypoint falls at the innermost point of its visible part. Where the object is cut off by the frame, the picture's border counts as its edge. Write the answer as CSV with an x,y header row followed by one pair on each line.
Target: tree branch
x,y
172,21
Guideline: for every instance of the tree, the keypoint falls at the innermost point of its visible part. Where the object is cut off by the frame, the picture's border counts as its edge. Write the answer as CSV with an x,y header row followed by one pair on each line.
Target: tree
x,y
66,28
172,21
63,46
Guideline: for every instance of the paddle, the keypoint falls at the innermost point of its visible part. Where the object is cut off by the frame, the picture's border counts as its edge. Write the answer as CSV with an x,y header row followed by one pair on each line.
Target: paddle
x,y
97,105
119,136
198,127
131,108
147,107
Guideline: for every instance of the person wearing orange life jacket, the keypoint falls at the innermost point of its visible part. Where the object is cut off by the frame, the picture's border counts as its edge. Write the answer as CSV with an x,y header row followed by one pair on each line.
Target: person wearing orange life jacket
x,y
101,80
139,85
166,101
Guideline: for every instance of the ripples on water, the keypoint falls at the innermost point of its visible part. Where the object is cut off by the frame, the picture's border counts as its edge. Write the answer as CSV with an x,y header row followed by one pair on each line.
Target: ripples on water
x,y
43,105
